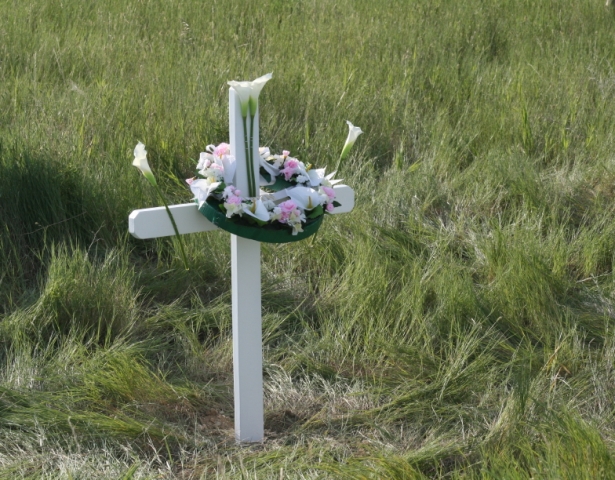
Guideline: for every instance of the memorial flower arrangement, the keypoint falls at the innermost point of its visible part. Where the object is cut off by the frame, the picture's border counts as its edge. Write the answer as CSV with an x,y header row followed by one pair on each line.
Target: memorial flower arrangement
x,y
291,192
287,201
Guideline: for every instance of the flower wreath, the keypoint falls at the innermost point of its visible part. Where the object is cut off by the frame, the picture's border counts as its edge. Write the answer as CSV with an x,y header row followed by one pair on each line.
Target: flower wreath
x,y
286,205
293,197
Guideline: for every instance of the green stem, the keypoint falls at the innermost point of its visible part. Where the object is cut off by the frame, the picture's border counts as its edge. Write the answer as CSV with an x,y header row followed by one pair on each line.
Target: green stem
x,y
343,155
339,162
252,115
179,238
251,192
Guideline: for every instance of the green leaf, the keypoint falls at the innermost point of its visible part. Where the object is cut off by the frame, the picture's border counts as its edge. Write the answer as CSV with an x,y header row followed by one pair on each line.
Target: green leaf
x,y
315,212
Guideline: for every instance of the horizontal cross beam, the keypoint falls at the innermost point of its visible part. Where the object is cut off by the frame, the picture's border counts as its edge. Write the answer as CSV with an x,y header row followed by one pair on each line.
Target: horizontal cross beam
x,y
155,223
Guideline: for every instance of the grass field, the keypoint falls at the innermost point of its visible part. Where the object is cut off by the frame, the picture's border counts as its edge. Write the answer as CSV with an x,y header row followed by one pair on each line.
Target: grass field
x,y
459,323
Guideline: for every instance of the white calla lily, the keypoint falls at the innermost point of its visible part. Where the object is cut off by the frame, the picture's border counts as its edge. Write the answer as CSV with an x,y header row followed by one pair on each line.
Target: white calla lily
x,y
248,93
257,210
353,134
270,169
203,189
230,165
243,89
316,175
305,197
140,162
264,152
257,86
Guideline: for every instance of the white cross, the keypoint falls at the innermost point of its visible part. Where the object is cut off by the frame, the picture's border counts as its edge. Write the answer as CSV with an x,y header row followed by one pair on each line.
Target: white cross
x,y
245,281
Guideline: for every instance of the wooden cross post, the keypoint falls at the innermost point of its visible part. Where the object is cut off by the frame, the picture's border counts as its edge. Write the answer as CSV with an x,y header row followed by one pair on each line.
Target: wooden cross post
x,y
245,281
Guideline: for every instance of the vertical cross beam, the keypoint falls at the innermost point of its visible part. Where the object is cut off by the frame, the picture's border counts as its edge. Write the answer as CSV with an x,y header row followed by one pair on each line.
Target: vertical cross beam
x,y
246,295
247,339
246,276
236,140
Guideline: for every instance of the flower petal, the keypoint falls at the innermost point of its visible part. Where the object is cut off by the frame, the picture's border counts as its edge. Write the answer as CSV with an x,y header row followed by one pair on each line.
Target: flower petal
x,y
202,189
230,165
316,175
260,211
305,197
140,162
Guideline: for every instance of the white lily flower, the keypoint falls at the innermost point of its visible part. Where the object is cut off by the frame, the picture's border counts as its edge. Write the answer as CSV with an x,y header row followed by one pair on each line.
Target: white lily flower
x,y
230,165
243,89
233,209
203,158
264,152
305,197
316,175
353,133
270,169
140,162
329,179
257,86
257,210
203,189
248,92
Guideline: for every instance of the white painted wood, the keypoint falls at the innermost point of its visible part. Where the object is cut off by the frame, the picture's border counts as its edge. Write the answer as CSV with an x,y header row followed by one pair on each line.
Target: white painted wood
x,y
238,146
344,195
245,281
247,339
155,222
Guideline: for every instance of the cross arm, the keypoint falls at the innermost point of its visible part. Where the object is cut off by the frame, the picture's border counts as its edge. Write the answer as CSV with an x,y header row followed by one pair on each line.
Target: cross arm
x,y
155,223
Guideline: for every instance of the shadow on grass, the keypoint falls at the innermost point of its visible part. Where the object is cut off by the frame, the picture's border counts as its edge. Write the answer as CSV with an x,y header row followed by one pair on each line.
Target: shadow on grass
x,y
43,202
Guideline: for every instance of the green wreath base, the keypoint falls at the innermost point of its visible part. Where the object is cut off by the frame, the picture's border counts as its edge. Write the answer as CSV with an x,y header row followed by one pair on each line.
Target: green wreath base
x,y
242,227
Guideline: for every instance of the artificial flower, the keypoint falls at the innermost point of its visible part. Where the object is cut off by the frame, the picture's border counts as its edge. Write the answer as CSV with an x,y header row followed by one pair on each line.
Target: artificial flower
x,y
140,162
328,180
243,90
248,93
328,194
353,133
202,189
291,206
257,210
257,86
305,197
316,176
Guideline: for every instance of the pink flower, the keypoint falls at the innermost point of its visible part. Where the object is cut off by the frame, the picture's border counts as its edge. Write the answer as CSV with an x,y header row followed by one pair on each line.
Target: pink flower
x,y
329,192
234,200
291,166
222,149
291,163
231,191
189,181
288,206
329,208
288,173
285,153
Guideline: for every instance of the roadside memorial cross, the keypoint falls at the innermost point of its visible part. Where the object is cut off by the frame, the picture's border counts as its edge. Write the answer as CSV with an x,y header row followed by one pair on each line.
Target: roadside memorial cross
x,y
245,267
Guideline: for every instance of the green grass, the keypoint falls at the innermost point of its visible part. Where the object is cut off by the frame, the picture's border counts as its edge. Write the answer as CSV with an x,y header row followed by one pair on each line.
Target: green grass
x,y
457,324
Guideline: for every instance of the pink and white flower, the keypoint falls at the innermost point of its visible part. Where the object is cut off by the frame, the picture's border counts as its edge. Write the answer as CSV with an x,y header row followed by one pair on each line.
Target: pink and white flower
x,y
312,188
